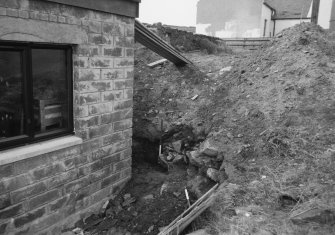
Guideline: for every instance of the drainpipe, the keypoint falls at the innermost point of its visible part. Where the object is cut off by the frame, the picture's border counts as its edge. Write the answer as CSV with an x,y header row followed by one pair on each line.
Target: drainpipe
x,y
315,11
332,18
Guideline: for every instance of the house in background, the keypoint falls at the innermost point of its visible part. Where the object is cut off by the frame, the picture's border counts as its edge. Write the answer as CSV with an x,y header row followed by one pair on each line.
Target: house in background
x,y
259,18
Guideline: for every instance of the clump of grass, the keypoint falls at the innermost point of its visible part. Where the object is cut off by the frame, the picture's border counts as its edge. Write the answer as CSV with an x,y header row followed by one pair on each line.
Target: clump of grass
x,y
211,47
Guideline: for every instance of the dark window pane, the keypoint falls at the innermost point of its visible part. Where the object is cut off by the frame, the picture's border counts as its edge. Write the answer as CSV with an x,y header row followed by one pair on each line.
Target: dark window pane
x,y
11,97
49,89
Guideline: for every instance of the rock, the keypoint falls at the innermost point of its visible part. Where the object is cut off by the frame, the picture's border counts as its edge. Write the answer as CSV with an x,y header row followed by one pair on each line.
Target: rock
x,y
200,160
230,135
178,159
164,188
217,176
148,197
226,69
229,169
208,149
191,171
170,157
177,145
199,185
316,215
176,194
151,229
128,201
199,232
126,196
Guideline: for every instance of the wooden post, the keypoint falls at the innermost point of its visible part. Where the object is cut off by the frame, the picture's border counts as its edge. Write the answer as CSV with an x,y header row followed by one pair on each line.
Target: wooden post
x,y
315,11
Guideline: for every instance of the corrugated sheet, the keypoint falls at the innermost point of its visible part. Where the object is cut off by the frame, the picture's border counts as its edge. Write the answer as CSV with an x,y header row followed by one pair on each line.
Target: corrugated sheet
x,y
147,38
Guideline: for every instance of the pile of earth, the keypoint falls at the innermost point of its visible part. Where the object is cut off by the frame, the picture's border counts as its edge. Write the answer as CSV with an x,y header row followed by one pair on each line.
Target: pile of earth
x,y
274,124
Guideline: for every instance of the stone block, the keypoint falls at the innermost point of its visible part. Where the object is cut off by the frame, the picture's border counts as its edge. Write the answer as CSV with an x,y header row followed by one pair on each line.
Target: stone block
x,y
209,149
101,62
29,191
100,130
123,104
76,185
81,111
13,183
12,211
24,14
90,146
129,52
94,26
129,73
113,138
3,12
74,162
88,74
87,98
112,117
29,217
111,159
113,29
112,95
123,62
123,125
110,180
4,201
94,86
112,51
48,171
86,122
98,39
119,84
12,12
100,174
101,108
43,198
114,148
111,74
53,18
128,94
122,165
129,83
61,19
6,171
61,179
124,42
128,113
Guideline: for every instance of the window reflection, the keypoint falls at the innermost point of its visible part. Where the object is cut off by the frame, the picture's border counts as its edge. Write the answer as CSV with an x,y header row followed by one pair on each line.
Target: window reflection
x,y
49,89
11,108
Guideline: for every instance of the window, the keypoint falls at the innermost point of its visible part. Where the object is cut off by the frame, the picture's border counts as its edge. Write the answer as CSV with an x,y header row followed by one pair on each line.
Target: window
x,y
35,92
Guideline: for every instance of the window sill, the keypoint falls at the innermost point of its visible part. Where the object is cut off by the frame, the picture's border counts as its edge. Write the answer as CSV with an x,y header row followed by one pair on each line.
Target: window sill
x,y
33,150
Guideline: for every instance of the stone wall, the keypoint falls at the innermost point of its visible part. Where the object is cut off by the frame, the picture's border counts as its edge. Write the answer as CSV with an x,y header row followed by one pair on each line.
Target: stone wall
x,y
46,194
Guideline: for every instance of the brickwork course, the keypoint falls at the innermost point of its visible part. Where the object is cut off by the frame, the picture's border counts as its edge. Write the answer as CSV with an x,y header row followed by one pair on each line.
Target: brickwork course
x,y
48,193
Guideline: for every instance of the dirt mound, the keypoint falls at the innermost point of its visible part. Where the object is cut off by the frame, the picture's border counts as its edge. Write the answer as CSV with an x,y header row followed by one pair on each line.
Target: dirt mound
x,y
274,122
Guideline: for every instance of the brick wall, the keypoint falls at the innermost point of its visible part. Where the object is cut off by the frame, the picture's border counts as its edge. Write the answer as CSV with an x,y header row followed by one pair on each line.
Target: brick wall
x,y
48,193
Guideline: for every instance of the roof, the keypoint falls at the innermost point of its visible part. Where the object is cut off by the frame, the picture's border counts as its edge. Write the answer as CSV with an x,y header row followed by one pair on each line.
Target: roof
x,y
290,9
128,8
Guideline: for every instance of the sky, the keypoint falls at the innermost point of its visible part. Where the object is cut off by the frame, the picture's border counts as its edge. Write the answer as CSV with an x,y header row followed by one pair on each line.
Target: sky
x,y
171,12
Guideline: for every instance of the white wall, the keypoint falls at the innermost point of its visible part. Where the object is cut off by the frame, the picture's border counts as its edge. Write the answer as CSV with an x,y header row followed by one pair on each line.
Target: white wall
x,y
266,15
283,24
325,13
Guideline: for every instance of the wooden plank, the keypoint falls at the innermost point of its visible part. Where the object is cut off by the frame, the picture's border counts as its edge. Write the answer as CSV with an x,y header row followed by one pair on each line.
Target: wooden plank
x,y
183,220
120,7
158,62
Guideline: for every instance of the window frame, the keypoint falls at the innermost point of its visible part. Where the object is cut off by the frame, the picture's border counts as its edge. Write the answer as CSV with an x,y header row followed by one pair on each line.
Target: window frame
x,y
29,137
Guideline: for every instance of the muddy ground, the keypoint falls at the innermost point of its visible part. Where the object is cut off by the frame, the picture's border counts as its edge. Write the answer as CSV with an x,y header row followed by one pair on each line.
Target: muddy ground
x,y
260,123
